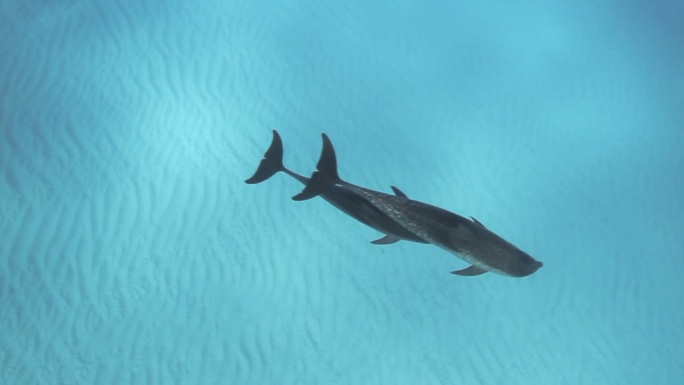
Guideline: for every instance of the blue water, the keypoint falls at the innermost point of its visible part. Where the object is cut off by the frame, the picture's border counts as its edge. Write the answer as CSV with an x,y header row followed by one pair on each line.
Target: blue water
x,y
132,252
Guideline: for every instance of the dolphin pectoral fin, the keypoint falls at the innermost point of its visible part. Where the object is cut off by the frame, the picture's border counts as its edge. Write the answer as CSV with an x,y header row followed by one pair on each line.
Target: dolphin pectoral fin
x,y
470,271
398,192
478,222
386,240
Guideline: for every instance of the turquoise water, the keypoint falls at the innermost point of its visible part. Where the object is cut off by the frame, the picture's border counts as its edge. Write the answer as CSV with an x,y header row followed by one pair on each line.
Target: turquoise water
x,y
133,253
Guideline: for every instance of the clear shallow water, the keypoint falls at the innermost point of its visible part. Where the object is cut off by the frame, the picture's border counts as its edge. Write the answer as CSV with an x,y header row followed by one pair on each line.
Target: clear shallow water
x,y
132,251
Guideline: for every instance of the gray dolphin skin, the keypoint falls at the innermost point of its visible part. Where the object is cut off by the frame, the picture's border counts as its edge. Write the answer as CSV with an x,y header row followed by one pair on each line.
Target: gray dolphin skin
x,y
401,218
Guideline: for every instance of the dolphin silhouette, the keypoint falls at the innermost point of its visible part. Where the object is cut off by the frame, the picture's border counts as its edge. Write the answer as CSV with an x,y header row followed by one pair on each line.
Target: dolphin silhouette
x,y
402,218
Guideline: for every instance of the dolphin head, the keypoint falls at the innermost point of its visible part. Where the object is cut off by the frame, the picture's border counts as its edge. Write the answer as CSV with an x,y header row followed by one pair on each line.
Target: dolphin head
x,y
489,251
522,264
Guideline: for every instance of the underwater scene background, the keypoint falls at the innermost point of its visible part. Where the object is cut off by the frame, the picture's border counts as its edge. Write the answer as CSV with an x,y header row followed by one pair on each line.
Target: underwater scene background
x,y
132,251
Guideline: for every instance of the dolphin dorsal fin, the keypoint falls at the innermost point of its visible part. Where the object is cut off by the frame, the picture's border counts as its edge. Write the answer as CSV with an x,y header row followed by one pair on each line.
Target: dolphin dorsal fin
x,y
478,222
398,192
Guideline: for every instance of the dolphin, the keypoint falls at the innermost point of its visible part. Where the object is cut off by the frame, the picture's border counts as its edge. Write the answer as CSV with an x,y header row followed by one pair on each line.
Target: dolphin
x,y
400,218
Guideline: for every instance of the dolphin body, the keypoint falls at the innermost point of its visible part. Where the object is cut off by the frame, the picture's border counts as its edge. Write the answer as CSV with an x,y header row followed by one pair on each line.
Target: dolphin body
x,y
401,218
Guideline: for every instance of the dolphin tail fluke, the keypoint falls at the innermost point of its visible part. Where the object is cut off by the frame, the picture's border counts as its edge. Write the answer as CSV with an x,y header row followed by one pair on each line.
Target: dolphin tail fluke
x,y
325,176
317,184
272,162
327,163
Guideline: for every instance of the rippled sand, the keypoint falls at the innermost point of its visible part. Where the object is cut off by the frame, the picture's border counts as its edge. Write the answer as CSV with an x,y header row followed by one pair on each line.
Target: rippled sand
x,y
131,251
